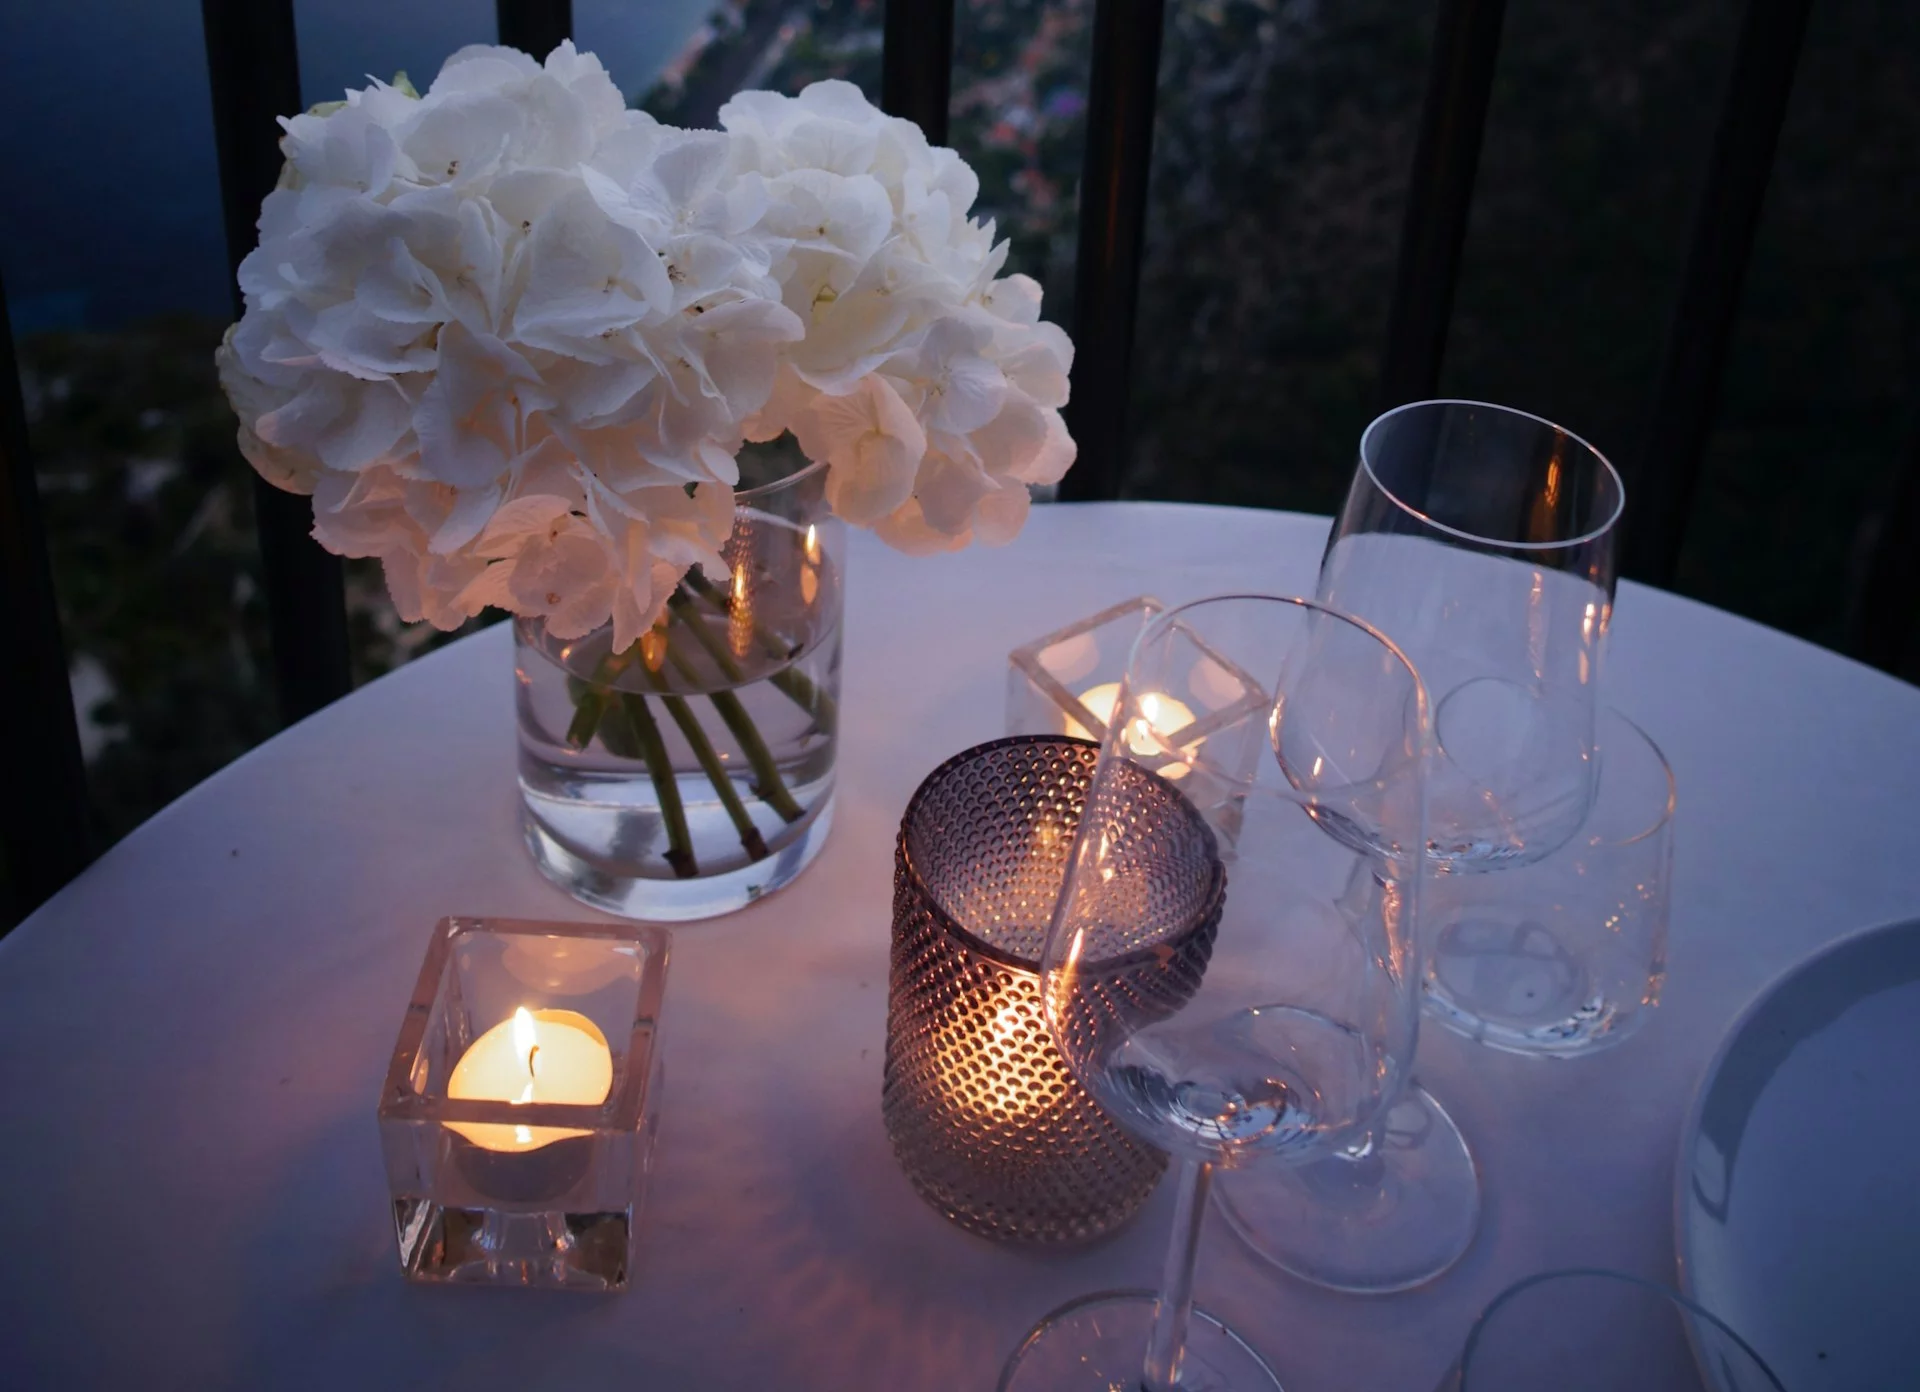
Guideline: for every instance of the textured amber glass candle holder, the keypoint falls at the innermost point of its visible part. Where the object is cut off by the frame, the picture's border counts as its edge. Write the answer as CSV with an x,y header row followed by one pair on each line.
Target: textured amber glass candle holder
x,y
524,1193
985,1119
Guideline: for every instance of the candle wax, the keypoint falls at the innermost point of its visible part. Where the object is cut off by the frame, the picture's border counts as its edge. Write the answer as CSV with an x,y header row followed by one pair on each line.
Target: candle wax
x,y
533,1056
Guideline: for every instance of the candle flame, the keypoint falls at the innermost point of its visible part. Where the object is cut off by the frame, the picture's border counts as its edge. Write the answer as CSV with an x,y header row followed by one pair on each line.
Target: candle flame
x,y
525,1041
813,543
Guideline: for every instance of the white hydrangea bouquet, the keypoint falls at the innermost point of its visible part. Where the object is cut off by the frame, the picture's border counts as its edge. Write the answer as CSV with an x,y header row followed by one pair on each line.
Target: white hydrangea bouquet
x,y
511,336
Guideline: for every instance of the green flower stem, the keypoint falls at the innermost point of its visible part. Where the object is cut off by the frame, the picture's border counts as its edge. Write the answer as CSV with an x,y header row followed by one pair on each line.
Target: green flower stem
x,y
625,724
660,769
703,750
677,607
768,785
794,684
592,705
586,717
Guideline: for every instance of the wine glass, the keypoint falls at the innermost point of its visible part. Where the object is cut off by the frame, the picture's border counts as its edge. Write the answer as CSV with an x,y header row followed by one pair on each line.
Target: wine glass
x,y
1480,539
1289,1035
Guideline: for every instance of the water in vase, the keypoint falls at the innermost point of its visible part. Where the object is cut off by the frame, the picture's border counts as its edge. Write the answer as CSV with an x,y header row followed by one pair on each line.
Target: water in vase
x,y
693,772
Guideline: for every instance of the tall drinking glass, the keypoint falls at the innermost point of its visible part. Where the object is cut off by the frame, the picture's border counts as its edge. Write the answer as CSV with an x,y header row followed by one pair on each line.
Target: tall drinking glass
x,y
1567,955
1291,1035
1481,540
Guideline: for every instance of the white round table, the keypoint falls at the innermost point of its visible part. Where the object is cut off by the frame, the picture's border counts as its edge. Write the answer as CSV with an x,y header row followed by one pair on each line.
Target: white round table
x,y
193,1034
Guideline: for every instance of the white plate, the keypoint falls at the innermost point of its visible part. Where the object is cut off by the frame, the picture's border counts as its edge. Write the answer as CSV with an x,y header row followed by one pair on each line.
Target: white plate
x,y
1798,1216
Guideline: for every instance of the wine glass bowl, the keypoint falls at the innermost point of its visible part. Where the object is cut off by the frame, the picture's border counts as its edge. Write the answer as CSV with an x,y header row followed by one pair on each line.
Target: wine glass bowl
x,y
1247,1065
1300,1025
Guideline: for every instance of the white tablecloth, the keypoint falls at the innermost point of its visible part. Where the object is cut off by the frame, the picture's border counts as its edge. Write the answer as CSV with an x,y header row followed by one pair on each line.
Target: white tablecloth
x,y
192,1035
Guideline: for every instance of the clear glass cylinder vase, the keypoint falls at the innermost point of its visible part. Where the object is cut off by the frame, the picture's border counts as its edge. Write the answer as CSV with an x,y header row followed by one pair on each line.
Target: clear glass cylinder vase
x,y
693,773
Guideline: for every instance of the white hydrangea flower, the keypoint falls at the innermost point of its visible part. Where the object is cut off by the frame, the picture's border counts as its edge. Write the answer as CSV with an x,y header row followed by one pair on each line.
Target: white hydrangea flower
x,y
510,335
905,309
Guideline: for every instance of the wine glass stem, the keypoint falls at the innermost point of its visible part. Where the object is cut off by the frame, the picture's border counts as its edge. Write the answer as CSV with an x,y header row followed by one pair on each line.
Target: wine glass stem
x,y
1168,1341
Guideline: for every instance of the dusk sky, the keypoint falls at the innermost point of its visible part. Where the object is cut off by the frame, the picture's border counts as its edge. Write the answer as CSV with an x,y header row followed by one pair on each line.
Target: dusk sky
x,y
110,207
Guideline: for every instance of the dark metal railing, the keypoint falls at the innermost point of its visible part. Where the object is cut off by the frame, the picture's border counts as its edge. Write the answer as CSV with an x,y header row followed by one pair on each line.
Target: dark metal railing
x,y
253,68
533,26
1113,217
916,64
254,75
1661,480
46,834
1882,627
1446,158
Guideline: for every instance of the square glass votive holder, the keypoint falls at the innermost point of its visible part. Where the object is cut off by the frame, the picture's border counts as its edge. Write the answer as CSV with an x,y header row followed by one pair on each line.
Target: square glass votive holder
x,y
491,1189
1048,679
1206,736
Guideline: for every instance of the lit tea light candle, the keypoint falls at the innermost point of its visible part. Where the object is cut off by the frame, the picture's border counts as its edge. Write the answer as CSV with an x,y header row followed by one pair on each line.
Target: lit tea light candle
x,y
555,1056
1160,715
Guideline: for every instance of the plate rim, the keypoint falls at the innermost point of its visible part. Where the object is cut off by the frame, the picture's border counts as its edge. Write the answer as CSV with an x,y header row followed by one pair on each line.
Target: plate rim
x,y
1690,1129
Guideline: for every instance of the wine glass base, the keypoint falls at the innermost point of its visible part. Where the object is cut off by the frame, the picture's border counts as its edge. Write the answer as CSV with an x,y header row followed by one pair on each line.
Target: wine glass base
x,y
1098,1343
1388,1219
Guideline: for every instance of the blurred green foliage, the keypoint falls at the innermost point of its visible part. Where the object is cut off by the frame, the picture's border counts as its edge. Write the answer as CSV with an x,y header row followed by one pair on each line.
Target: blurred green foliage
x,y
148,511
149,529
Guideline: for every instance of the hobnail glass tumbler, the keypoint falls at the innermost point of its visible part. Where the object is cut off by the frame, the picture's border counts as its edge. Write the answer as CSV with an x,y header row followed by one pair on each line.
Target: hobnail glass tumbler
x,y
985,1118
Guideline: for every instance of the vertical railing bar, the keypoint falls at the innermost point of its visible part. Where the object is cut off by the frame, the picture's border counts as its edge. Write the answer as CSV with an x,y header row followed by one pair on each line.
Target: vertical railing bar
x,y
1662,479
916,64
534,26
1884,622
46,828
253,69
1113,213
1446,159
